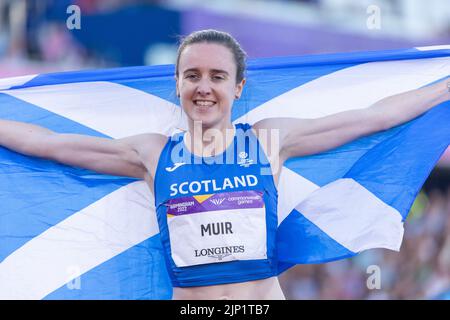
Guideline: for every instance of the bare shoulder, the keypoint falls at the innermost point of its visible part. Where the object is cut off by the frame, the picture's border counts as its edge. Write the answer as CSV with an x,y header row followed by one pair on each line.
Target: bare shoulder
x,y
148,146
273,126
266,123
267,132
274,130
146,142
269,137
288,132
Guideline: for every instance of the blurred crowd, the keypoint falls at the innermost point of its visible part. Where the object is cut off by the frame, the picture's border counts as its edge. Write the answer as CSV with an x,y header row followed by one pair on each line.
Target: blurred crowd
x,y
420,270
35,39
28,46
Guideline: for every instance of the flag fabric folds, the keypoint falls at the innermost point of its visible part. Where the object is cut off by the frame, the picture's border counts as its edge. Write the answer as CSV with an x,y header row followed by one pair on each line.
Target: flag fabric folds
x,y
70,233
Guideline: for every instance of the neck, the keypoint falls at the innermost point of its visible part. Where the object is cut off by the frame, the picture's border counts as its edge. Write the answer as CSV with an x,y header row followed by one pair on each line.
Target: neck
x,y
203,140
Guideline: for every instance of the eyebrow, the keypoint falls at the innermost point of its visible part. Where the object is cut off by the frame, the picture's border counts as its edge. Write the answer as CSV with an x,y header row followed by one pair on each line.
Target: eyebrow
x,y
212,70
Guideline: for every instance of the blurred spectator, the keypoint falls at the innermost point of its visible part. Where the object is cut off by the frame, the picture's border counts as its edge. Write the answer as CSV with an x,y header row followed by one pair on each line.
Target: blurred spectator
x,y
421,270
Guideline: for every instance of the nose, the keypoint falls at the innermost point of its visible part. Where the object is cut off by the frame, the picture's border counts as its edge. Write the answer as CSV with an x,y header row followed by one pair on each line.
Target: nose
x,y
204,87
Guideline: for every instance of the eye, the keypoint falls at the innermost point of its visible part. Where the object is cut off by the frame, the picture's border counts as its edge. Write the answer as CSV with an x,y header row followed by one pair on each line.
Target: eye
x,y
218,77
191,76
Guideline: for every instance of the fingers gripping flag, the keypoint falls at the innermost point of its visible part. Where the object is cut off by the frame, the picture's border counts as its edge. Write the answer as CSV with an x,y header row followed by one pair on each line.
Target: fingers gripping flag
x,y
70,233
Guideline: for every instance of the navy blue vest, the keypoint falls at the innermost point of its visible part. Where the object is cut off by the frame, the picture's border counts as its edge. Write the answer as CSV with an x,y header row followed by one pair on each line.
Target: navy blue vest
x,y
217,215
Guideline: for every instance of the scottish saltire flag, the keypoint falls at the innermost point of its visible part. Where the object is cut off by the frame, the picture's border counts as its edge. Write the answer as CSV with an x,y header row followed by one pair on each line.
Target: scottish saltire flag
x,y
70,233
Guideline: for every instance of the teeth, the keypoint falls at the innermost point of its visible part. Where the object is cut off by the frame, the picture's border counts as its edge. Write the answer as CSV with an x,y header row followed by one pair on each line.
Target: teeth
x,y
204,103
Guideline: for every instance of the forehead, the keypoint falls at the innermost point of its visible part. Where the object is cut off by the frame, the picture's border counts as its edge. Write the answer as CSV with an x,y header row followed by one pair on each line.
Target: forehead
x,y
206,56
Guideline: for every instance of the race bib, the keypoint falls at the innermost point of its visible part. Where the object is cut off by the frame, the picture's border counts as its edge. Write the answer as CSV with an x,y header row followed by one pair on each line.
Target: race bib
x,y
215,228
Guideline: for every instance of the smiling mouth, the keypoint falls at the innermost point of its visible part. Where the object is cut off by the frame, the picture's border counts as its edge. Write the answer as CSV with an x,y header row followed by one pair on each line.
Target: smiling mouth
x,y
204,103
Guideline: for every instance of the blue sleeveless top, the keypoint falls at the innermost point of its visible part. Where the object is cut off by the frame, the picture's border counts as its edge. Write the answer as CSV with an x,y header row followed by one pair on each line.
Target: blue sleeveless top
x,y
217,215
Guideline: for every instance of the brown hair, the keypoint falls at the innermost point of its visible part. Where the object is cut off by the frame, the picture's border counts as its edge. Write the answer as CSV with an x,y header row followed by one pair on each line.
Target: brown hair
x,y
219,37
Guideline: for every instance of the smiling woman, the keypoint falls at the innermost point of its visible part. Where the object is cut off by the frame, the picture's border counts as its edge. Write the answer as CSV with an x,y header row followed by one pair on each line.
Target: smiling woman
x,y
207,83
218,219
242,264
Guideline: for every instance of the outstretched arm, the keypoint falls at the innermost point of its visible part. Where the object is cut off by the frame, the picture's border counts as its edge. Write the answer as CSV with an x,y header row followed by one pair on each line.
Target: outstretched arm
x,y
299,137
122,157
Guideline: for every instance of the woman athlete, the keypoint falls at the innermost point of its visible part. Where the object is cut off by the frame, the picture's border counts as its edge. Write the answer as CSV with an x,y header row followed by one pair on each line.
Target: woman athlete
x,y
218,220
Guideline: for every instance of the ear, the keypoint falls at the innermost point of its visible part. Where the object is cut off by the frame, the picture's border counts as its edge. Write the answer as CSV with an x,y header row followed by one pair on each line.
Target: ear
x,y
239,88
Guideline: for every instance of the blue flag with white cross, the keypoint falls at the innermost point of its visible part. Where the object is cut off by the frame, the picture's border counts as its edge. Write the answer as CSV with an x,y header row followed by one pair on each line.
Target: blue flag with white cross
x,y
70,233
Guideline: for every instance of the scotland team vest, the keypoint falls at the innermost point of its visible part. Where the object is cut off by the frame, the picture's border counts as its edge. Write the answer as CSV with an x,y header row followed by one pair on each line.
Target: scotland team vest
x,y
217,215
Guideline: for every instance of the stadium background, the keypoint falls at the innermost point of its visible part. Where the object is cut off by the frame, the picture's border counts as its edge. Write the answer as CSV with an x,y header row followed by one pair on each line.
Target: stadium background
x,y
35,38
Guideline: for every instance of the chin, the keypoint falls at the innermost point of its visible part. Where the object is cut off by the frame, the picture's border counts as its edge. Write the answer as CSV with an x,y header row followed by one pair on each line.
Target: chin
x,y
206,120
